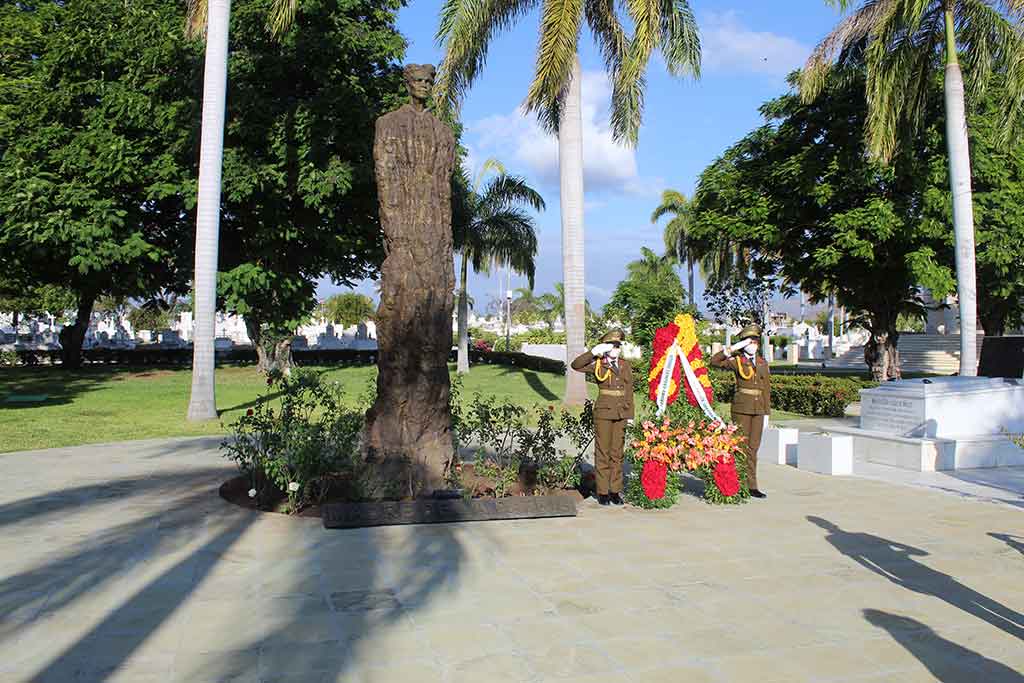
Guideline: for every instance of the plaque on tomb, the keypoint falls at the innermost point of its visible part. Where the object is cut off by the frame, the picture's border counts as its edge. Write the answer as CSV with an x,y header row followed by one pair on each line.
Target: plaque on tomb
x,y
1002,357
427,511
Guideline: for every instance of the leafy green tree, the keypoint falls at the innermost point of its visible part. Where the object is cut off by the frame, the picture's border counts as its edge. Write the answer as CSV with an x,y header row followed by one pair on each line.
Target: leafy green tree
x,y
210,19
997,179
903,43
35,301
816,210
148,317
466,30
650,297
299,196
97,111
492,228
348,309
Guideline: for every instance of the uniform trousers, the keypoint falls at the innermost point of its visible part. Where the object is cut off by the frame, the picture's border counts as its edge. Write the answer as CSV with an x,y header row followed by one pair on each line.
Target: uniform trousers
x,y
609,438
751,426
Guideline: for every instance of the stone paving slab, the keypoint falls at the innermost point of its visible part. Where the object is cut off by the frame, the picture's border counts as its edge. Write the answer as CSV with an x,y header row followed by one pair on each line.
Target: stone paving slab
x,y
120,563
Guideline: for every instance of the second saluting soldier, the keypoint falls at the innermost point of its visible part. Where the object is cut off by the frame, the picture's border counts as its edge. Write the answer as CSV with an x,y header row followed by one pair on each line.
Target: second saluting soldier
x,y
612,412
752,401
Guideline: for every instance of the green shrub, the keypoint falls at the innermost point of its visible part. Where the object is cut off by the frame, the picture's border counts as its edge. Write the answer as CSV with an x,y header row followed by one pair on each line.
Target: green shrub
x,y
779,341
299,445
563,473
817,395
8,359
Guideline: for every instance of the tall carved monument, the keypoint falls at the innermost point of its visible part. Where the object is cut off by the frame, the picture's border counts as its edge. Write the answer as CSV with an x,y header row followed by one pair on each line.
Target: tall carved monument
x,y
407,438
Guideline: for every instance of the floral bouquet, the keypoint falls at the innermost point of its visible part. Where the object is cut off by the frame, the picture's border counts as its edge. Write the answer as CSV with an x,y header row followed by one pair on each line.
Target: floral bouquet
x,y
711,450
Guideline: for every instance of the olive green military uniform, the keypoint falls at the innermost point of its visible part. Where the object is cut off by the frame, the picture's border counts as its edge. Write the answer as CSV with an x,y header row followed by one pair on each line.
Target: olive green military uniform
x,y
751,403
613,408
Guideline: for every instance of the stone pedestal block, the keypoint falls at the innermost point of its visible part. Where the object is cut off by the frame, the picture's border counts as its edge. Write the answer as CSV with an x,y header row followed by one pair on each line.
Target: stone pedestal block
x,y
779,446
825,453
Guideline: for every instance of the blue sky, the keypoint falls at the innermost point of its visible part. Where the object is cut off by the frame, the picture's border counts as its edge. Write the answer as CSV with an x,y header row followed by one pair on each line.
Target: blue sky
x,y
749,47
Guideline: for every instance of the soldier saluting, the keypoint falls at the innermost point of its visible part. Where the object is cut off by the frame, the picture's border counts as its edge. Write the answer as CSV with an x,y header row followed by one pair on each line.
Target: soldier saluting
x,y
612,412
753,399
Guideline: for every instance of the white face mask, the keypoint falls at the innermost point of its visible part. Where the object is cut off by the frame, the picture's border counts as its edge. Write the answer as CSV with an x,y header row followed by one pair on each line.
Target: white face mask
x,y
615,352
751,350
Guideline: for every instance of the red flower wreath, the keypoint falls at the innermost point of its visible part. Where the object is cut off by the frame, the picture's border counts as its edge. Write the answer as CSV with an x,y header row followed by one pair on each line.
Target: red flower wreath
x,y
726,478
653,479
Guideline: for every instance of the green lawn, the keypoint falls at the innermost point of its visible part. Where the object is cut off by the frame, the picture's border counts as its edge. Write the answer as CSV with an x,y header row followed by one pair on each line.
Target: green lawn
x,y
101,405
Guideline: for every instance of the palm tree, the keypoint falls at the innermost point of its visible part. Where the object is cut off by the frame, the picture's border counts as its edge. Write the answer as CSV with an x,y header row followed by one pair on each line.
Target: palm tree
x,y
494,231
676,235
651,268
902,43
212,18
465,31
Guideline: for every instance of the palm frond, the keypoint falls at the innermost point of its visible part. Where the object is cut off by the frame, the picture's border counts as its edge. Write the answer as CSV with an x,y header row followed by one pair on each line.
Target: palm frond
x,y
282,16
490,165
672,202
680,38
559,37
195,18
629,83
608,32
512,241
900,60
505,190
993,44
851,31
465,33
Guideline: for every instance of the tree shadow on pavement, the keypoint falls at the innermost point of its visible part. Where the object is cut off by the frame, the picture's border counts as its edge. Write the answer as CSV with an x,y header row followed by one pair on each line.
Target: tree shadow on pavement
x,y
896,562
1012,540
946,660
157,576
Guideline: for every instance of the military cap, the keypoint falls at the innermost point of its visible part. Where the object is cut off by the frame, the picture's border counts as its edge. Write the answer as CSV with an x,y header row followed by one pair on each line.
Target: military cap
x,y
750,332
614,336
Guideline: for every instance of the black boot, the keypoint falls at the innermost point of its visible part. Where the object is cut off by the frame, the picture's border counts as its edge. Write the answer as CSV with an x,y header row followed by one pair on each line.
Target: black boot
x,y
602,499
757,494
616,499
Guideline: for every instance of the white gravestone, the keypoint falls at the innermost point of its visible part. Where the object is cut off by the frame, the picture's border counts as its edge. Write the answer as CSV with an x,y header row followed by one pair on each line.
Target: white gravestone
x,y
830,454
942,423
779,446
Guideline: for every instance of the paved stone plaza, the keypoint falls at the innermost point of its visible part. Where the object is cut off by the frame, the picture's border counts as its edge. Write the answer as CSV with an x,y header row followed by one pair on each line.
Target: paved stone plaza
x,y
120,563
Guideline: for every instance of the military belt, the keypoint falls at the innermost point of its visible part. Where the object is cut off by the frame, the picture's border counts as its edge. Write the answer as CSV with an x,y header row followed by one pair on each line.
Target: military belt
x,y
750,392
612,392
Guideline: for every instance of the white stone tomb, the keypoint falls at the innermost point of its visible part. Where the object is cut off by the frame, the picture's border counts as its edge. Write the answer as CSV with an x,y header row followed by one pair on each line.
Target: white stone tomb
x,y
942,423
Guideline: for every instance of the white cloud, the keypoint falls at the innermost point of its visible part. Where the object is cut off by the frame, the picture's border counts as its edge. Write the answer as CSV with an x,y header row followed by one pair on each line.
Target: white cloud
x,y
520,141
728,45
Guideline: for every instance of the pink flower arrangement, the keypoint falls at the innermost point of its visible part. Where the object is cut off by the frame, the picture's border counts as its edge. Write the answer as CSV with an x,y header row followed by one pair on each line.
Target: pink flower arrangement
x,y
692,447
706,448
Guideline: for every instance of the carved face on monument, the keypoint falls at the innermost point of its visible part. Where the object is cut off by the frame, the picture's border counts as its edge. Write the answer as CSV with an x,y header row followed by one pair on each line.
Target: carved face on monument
x,y
419,79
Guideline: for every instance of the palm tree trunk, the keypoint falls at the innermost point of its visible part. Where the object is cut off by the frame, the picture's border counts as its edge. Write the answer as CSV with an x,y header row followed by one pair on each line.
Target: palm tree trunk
x,y
963,211
689,271
203,402
570,163
463,360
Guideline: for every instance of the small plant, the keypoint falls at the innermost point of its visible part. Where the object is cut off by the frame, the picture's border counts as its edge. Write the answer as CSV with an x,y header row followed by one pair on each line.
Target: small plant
x,y
300,445
504,476
579,428
563,473
537,446
8,359
498,425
